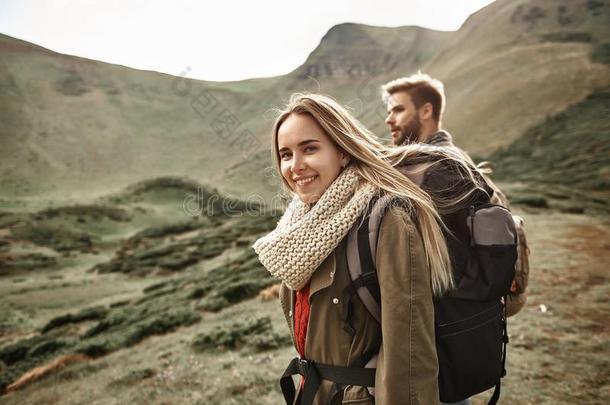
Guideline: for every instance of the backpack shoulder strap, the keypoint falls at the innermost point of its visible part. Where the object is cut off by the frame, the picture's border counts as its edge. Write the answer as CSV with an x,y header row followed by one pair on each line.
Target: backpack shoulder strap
x,y
361,251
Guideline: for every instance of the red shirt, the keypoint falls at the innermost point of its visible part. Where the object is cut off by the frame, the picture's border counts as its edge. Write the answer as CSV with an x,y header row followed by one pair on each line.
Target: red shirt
x,y
301,318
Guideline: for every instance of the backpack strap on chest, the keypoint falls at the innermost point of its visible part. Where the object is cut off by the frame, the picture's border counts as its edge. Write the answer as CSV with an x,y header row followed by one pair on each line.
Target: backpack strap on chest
x,y
361,249
314,373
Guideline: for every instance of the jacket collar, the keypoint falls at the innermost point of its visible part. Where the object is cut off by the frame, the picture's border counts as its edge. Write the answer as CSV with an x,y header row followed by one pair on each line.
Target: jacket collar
x,y
287,302
324,276
440,138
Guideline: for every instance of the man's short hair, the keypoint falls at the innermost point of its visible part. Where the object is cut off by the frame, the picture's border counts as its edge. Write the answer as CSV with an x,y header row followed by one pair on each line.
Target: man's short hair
x,y
422,89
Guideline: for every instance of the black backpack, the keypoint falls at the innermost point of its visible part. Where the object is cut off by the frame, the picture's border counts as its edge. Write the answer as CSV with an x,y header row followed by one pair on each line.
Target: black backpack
x,y
470,321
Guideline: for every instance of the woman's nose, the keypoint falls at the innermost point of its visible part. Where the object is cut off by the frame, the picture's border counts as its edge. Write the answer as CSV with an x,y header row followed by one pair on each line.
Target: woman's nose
x,y
298,164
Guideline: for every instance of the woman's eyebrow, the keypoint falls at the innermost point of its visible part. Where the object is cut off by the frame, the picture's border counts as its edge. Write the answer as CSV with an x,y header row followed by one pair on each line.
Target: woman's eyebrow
x,y
302,143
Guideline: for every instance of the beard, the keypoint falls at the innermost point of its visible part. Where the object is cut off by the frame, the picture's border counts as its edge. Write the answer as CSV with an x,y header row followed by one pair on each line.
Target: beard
x,y
410,132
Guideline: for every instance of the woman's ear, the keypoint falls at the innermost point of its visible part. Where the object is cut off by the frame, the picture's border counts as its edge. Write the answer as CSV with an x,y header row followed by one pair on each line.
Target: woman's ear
x,y
344,159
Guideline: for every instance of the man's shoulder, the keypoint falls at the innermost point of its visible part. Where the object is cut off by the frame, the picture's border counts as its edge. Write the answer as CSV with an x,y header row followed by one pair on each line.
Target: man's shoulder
x,y
444,139
448,180
440,138
442,176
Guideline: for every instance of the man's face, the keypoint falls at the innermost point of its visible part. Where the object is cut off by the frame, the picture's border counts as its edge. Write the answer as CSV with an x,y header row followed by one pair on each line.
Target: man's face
x,y
403,119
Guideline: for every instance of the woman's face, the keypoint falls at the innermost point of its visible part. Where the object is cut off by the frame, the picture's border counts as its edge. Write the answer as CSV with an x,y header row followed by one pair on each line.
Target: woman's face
x,y
309,160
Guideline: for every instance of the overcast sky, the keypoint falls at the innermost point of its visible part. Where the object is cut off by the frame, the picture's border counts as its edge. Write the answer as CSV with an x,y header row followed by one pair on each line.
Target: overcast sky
x,y
219,40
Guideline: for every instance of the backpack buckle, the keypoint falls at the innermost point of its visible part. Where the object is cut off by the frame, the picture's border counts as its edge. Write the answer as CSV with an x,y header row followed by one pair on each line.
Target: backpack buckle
x,y
303,367
368,278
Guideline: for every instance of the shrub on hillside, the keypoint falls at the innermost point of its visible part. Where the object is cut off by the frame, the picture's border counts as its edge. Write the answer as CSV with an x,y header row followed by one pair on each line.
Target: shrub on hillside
x,y
567,37
94,212
27,261
71,85
54,236
256,333
94,313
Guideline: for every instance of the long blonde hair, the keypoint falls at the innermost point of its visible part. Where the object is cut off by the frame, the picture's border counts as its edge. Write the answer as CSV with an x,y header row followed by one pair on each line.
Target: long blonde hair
x,y
370,159
417,158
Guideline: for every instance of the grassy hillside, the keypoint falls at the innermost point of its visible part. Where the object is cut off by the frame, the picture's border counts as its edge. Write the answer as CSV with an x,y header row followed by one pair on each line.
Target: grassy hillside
x,y
80,128
88,328
570,148
513,63
132,265
76,128
565,160
83,127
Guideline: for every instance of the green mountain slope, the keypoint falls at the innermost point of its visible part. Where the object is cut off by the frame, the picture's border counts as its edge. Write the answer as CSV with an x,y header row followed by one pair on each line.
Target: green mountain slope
x,y
565,158
72,128
513,63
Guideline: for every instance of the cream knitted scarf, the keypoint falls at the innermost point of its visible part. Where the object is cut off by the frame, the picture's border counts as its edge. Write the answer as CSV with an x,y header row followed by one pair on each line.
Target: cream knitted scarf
x,y
306,235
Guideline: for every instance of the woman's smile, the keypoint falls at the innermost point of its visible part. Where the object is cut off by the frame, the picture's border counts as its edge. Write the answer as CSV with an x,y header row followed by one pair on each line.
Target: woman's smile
x,y
304,181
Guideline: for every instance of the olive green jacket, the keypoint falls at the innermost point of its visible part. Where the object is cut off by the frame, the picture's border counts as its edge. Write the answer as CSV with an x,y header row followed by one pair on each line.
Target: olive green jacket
x,y
407,366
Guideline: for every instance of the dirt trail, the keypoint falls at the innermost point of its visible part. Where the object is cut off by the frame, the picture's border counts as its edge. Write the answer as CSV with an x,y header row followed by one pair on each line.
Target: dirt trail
x,y
559,349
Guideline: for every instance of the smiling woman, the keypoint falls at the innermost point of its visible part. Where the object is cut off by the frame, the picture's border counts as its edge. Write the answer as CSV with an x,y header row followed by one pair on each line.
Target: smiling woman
x,y
336,170
310,161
